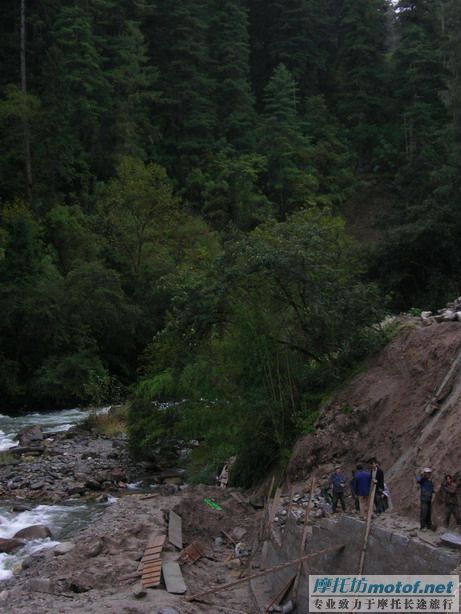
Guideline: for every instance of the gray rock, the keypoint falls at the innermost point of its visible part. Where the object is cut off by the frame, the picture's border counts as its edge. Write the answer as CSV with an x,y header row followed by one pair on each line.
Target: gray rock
x,y
75,489
10,545
81,583
63,548
30,435
21,507
95,549
168,610
41,585
139,591
37,531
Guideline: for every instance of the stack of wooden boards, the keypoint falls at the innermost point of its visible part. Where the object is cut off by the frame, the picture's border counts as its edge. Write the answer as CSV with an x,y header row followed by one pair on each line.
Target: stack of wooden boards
x,y
151,562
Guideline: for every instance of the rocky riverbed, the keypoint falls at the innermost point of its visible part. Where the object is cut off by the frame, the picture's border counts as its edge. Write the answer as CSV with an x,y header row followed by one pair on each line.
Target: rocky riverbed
x,y
96,570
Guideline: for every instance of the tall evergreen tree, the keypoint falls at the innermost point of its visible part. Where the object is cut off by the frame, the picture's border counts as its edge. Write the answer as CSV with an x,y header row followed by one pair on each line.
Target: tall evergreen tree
x,y
419,75
290,179
292,32
229,53
359,72
186,114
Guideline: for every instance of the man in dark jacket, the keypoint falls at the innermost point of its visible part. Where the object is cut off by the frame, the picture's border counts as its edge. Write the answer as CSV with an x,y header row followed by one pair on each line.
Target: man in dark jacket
x,y
377,477
338,482
427,491
362,484
450,489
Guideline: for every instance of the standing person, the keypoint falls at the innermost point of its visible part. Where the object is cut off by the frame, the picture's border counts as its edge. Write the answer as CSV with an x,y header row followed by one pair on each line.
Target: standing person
x,y
450,489
377,477
362,485
427,491
337,483
353,493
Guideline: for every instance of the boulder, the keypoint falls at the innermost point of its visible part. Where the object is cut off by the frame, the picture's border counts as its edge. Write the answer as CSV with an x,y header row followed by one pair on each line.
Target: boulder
x,y
30,436
75,489
139,591
10,545
21,507
95,549
37,531
63,548
81,583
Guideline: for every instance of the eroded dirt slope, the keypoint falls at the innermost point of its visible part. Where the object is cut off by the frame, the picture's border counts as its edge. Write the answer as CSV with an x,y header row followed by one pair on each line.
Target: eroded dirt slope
x,y
381,413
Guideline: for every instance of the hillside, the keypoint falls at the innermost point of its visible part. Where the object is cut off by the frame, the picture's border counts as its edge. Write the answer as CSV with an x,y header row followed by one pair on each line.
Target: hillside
x,y
382,412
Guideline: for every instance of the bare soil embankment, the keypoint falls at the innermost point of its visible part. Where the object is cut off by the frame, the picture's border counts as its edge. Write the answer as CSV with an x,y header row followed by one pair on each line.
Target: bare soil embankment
x,y
382,413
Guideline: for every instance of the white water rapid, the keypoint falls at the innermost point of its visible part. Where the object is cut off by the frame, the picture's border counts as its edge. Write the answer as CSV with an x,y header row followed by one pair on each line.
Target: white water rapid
x,y
63,520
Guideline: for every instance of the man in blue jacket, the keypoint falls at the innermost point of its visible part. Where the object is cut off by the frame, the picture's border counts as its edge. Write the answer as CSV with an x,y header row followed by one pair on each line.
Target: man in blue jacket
x,y
362,485
427,491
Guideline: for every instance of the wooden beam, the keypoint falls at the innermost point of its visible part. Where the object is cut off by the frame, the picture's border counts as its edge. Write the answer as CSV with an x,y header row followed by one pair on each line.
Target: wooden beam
x,y
225,587
175,530
303,540
371,504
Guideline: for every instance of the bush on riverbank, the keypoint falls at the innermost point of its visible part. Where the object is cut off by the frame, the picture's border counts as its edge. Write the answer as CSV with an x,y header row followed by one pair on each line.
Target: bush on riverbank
x,y
109,424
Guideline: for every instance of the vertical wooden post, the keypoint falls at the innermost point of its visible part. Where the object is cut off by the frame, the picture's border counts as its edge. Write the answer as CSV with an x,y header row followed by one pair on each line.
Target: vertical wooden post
x,y
303,541
371,504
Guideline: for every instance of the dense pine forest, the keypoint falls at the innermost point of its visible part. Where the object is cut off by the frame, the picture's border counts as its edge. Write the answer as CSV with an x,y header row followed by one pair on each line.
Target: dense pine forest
x,y
211,203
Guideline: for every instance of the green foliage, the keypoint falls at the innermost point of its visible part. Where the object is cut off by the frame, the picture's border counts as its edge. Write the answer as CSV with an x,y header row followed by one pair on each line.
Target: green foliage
x,y
248,342
186,161
108,424
7,458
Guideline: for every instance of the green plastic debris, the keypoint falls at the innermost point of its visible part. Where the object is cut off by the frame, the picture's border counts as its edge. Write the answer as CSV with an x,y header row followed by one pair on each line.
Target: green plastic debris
x,y
212,504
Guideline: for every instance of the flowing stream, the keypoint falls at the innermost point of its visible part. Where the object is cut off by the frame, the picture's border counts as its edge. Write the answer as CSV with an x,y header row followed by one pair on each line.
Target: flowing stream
x,y
63,520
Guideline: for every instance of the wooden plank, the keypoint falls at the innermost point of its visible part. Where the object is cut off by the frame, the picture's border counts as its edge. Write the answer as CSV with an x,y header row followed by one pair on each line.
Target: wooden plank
x,y
152,566
175,530
151,583
156,540
192,553
152,574
173,578
150,559
153,551
152,577
154,548
274,508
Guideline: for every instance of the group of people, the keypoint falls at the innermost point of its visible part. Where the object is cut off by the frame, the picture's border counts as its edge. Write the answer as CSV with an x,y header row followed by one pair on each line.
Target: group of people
x,y
360,487
427,492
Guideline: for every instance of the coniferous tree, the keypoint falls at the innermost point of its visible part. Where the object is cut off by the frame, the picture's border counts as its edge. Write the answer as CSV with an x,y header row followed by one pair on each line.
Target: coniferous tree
x,y
419,76
186,114
290,178
229,53
292,32
359,72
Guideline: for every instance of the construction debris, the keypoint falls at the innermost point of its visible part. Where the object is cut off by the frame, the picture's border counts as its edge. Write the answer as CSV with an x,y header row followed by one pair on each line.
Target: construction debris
x,y
151,564
172,576
175,530
191,554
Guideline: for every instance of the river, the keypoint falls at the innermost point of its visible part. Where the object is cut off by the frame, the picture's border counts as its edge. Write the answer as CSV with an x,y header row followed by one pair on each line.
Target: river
x,y
63,520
